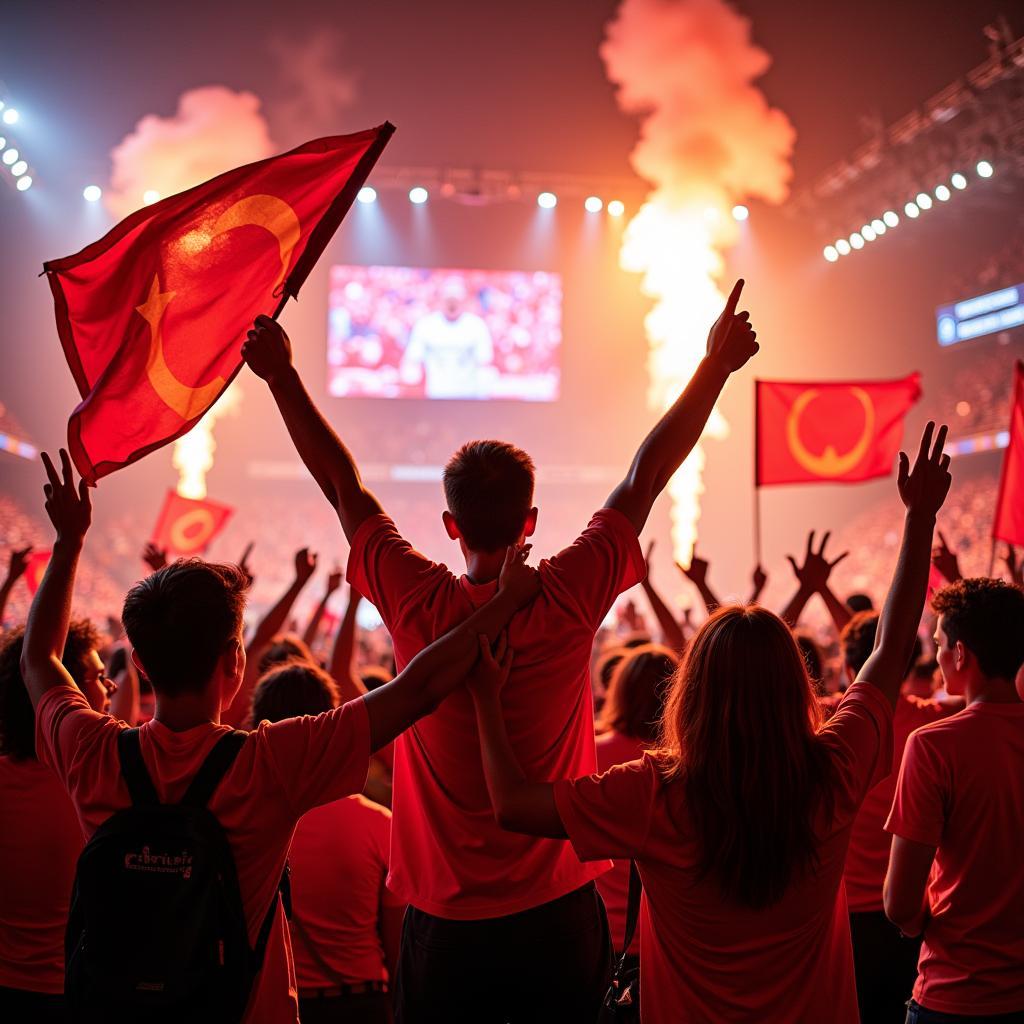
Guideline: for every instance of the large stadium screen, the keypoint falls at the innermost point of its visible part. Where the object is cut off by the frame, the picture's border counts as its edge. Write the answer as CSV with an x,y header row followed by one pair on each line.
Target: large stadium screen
x,y
981,315
412,332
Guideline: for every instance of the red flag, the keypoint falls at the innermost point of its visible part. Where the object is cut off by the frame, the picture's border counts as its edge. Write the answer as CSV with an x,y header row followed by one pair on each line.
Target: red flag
x,y
1008,524
186,526
836,432
152,316
34,570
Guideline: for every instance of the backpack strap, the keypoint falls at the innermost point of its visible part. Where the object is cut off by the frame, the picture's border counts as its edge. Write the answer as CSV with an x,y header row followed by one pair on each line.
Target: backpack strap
x,y
632,905
133,769
214,768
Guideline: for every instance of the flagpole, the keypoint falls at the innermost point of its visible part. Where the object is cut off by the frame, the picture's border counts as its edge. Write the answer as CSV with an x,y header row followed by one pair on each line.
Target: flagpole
x,y
757,525
757,477
991,556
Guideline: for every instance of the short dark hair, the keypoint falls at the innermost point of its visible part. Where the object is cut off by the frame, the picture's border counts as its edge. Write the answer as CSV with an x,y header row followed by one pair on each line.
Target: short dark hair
x,y
17,718
284,647
293,689
375,676
637,692
858,641
986,616
488,486
181,619
860,603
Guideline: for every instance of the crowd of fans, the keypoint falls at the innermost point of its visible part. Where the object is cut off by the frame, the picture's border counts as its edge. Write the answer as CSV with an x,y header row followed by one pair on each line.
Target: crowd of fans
x,y
824,826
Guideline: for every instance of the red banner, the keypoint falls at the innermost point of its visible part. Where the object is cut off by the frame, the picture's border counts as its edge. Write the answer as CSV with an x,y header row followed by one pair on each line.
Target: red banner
x,y
186,526
152,316
835,432
1008,524
34,570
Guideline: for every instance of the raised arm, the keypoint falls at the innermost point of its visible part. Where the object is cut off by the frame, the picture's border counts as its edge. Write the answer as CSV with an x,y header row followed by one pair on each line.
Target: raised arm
x,y
923,491
436,671
758,580
15,570
945,559
342,668
730,344
271,624
812,578
269,354
519,805
671,631
697,574
313,626
70,510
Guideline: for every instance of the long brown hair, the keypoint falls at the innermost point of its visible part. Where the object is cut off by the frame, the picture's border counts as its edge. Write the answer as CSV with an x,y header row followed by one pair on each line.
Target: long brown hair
x,y
637,692
740,734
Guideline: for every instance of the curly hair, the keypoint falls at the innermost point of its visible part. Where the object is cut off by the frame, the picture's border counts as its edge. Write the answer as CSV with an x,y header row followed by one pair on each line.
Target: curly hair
x,y
17,718
986,616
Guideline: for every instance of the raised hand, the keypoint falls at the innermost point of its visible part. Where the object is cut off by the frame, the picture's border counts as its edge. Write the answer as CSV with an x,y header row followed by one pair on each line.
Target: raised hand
x,y
19,563
243,563
697,574
760,578
305,564
493,667
519,580
69,507
732,339
945,560
334,580
154,557
923,489
267,349
814,573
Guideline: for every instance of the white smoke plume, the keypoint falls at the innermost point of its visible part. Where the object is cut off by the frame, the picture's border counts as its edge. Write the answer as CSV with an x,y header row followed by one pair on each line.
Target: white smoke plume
x,y
213,130
708,140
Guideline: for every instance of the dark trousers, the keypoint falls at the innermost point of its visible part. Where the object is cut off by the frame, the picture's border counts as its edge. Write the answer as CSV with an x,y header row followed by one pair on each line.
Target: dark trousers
x,y
361,1008
917,1014
886,967
551,964
18,1004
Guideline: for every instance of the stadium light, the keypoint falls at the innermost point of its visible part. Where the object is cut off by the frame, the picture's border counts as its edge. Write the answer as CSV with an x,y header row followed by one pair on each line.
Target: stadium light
x,y
942,193
91,193
367,194
911,210
592,204
867,232
843,247
3,142
19,168
150,196
616,208
958,181
831,253
740,212
890,218
10,156
418,195
24,182
985,169
878,226
547,200
923,200
11,116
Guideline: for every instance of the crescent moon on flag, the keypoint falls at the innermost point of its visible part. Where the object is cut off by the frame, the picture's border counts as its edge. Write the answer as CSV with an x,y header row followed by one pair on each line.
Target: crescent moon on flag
x,y
830,463
264,211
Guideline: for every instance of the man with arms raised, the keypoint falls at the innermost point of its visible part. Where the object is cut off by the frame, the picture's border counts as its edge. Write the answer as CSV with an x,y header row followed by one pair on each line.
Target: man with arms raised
x,y
500,927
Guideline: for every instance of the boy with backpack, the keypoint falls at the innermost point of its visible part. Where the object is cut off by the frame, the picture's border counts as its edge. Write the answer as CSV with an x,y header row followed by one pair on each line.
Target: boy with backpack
x,y
176,913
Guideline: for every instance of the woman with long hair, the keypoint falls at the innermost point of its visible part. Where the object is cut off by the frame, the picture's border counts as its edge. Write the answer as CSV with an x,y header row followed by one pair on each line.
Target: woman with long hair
x,y
740,820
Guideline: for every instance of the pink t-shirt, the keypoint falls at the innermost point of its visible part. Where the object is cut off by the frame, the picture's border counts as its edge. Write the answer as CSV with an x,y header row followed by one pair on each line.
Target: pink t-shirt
x,y
704,959
961,790
284,770
867,860
616,748
339,860
40,840
448,855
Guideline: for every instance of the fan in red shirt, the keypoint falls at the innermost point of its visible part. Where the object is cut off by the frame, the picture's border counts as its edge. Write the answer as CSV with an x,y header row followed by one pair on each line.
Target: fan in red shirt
x,y
345,925
510,922
958,817
40,837
739,822
185,626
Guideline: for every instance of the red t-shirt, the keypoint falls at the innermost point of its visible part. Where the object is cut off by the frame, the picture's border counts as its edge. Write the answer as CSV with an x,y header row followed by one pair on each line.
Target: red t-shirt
x,y
867,860
616,748
40,840
284,770
339,860
708,960
961,789
448,855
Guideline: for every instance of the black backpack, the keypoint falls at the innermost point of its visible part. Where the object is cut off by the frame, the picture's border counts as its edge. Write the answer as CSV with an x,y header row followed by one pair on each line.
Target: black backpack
x,y
157,931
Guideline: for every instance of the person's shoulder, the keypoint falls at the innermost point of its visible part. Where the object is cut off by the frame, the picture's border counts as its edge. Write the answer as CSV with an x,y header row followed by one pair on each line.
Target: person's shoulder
x,y
363,807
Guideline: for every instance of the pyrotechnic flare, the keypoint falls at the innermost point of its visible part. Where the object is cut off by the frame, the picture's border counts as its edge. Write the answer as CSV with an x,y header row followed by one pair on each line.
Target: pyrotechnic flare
x,y
708,140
